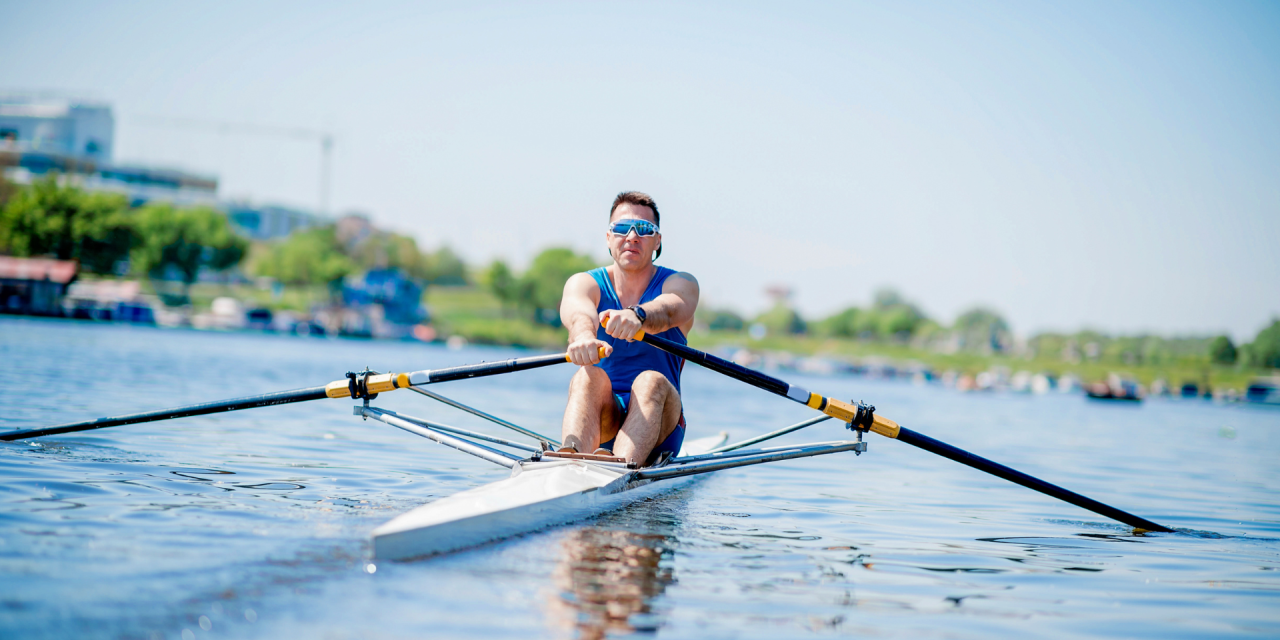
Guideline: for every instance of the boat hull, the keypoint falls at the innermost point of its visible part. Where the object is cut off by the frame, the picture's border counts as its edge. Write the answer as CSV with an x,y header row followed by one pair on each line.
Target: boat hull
x,y
538,495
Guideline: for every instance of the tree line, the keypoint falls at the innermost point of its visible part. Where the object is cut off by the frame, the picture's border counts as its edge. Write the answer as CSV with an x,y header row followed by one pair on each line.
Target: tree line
x,y
158,240
106,235
322,255
892,320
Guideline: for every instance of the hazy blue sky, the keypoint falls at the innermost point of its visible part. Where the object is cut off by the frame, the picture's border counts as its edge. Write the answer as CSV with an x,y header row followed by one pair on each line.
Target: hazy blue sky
x,y
1112,165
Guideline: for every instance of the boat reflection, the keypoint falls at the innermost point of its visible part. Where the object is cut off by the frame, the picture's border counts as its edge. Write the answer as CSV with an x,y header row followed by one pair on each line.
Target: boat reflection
x,y
608,578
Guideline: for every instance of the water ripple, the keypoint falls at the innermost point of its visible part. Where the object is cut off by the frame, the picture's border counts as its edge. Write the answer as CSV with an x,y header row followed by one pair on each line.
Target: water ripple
x,y
255,524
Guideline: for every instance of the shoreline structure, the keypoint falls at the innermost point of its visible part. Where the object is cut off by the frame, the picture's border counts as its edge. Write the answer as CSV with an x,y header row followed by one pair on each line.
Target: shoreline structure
x,y
457,321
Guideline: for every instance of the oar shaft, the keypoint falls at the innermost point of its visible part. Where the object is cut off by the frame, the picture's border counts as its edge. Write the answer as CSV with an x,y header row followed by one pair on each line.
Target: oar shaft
x,y
1013,475
731,369
888,428
264,400
383,382
491,368
373,383
839,409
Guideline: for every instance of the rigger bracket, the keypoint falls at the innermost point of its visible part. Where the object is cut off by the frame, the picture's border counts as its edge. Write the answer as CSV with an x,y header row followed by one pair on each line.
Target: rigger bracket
x,y
861,423
358,385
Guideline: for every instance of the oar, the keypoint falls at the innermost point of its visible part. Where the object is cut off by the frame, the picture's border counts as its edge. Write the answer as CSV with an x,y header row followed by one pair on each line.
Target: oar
x,y
865,417
355,386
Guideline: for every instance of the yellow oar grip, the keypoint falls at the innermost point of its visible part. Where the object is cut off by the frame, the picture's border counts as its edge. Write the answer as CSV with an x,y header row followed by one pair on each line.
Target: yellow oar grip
x,y
568,359
884,426
639,334
380,383
845,412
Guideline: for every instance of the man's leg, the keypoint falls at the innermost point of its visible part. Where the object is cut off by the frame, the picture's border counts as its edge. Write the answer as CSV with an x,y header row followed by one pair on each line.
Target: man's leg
x,y
651,417
591,416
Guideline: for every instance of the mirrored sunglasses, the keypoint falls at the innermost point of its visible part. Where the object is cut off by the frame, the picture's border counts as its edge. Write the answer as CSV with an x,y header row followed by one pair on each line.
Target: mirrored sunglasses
x,y
643,228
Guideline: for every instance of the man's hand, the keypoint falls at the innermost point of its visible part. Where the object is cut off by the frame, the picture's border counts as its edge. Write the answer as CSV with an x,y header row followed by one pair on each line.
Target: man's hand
x,y
586,350
621,323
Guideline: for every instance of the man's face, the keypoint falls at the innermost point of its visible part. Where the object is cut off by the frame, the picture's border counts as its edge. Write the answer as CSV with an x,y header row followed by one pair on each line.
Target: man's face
x,y
632,250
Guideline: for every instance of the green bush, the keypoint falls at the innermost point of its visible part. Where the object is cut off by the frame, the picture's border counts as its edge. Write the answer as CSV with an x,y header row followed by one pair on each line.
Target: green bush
x,y
1264,351
723,320
308,257
982,330
782,320
51,218
168,240
1222,351
538,290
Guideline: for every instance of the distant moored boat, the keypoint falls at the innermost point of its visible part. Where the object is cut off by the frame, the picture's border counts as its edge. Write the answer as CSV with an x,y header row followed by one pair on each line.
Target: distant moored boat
x,y
1115,388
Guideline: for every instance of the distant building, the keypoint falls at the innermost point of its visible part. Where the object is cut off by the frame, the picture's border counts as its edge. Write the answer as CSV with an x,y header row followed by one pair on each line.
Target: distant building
x,y
352,229
34,286
60,126
269,222
76,138
382,303
144,184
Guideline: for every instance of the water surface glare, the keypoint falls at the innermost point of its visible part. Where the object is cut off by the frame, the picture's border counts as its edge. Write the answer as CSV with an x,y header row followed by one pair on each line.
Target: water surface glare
x,y
255,523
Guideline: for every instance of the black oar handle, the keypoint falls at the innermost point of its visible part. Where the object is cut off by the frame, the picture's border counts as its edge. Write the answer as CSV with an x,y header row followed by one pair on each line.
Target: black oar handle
x,y
889,428
265,400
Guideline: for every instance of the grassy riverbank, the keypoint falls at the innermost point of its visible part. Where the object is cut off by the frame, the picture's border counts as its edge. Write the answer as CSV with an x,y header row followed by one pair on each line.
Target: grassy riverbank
x,y
477,315
1174,374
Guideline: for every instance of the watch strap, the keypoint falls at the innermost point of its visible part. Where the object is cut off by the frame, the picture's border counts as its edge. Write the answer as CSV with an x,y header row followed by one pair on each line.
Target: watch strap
x,y
639,312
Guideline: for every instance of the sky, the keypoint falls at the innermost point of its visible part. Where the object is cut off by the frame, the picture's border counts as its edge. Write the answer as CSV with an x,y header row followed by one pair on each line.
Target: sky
x,y
1109,165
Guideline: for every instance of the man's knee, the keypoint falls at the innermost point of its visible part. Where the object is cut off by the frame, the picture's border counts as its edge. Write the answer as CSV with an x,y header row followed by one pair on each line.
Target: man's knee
x,y
589,380
652,384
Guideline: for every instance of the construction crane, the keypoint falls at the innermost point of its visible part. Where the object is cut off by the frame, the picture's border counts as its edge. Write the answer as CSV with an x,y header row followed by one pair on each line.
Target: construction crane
x,y
325,138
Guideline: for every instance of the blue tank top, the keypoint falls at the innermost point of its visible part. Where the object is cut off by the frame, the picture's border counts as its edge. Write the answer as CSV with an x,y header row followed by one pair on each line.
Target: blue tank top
x,y
631,358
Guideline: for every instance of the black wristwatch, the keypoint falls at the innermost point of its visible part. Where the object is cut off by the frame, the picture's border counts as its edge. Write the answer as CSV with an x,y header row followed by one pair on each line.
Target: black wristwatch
x,y
639,312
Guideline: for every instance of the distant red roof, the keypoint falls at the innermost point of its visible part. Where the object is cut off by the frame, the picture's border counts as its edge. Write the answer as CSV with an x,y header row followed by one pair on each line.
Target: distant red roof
x,y
60,271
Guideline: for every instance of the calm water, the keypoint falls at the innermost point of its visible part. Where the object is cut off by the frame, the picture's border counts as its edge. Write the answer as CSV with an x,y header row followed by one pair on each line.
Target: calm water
x,y
255,523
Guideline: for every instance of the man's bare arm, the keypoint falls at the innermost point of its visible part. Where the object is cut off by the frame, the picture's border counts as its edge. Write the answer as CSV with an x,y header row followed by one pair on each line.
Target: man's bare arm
x,y
676,305
673,308
578,315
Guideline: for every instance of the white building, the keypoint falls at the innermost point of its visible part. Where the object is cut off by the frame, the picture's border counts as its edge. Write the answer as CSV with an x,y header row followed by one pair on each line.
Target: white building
x,y
76,138
62,126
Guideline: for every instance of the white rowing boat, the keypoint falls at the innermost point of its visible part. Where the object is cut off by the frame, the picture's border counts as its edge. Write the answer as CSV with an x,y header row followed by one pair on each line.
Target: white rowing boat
x,y
539,494
544,491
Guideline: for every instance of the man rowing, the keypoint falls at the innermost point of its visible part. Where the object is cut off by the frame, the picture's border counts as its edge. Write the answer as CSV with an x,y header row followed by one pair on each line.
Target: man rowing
x,y
627,404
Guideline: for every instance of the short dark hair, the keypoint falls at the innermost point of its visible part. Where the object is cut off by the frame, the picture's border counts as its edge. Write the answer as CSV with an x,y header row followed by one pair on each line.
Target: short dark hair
x,y
637,198
640,199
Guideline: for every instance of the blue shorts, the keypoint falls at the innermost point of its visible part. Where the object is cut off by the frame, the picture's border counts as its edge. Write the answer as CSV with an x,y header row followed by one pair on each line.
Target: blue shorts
x,y
671,443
